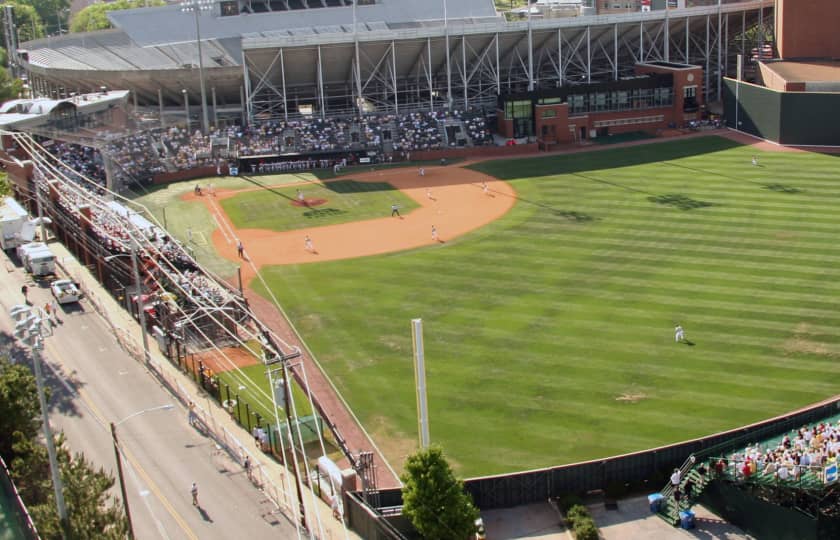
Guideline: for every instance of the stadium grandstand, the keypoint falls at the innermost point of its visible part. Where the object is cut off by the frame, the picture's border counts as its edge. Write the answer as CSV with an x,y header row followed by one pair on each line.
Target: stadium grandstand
x,y
327,58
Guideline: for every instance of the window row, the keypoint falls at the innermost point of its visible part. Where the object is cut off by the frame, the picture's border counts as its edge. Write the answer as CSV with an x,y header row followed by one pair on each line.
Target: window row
x,y
621,100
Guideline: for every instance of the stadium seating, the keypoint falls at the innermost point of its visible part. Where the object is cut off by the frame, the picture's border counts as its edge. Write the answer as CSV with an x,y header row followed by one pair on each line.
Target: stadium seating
x,y
138,156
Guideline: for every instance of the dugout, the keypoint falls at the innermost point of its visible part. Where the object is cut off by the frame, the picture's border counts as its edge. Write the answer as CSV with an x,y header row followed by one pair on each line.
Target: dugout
x,y
251,164
659,95
798,104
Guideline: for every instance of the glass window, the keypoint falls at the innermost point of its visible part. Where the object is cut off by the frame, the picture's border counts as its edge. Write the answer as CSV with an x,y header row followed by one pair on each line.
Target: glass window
x,y
522,109
549,113
577,103
600,101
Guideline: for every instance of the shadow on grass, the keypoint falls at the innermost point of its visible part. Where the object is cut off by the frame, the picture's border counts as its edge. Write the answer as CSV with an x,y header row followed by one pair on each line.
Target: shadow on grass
x,y
319,213
781,188
352,186
612,158
266,187
679,201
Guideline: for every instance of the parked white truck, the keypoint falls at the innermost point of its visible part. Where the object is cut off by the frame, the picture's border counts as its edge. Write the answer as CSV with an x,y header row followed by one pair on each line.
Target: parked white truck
x,y
13,218
37,259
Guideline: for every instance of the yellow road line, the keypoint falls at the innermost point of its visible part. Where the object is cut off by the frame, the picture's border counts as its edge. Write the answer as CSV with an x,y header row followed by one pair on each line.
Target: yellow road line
x,y
100,418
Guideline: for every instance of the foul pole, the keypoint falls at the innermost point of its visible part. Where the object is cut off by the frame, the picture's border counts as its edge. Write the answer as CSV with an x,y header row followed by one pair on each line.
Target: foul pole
x,y
420,382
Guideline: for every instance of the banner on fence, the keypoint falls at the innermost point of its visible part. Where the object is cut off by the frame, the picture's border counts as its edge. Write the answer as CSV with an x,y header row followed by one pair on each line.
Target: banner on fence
x,y
831,473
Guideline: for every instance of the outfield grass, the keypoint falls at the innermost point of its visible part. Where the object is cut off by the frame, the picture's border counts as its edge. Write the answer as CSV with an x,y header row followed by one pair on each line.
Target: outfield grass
x,y
346,200
549,333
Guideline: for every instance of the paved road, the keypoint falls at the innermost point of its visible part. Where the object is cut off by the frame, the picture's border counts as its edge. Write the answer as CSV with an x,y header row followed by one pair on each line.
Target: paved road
x,y
94,383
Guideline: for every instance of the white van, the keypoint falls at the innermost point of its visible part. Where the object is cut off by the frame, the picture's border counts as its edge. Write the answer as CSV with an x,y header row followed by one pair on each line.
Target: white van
x,y
37,259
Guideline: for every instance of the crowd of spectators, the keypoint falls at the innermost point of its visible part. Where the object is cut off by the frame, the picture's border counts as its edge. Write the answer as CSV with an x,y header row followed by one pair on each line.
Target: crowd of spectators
x,y
185,150
139,156
808,449
135,156
418,131
163,257
83,160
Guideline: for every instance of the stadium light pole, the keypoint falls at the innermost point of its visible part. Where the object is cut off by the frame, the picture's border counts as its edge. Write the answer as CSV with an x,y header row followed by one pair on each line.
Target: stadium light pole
x,y
119,461
186,106
28,331
196,6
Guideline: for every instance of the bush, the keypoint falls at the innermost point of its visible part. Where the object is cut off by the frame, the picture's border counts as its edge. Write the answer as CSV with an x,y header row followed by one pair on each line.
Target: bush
x,y
585,529
576,514
567,501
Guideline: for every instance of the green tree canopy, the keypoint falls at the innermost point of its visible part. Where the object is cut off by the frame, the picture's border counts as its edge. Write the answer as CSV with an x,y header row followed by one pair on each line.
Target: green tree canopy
x,y
434,500
19,409
94,16
29,24
48,10
9,88
92,511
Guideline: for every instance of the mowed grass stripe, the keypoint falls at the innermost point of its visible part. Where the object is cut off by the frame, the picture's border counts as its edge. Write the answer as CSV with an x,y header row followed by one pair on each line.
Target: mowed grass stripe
x,y
549,333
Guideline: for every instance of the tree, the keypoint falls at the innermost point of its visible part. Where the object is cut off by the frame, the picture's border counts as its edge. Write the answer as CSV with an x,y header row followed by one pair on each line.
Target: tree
x,y
94,17
48,10
434,500
19,409
92,511
29,24
9,88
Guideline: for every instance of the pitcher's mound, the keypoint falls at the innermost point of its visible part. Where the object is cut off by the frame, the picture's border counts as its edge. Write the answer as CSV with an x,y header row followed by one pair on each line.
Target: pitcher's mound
x,y
308,203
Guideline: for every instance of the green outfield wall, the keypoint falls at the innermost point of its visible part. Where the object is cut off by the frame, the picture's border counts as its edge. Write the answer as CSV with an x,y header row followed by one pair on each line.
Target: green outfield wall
x,y
792,118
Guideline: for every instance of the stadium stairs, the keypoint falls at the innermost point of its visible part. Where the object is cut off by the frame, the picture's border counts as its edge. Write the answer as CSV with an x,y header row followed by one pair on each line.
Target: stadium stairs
x,y
761,485
669,509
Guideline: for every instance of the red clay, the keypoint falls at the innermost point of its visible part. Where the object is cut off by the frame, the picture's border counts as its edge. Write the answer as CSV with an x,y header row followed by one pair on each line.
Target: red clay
x,y
308,203
451,199
226,359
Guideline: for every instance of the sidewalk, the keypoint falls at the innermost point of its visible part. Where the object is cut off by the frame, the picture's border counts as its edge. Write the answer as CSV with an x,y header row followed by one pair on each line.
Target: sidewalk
x,y
268,475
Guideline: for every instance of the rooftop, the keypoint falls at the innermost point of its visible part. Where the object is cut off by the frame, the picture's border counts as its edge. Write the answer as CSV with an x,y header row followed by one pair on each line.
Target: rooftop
x,y
807,71
170,25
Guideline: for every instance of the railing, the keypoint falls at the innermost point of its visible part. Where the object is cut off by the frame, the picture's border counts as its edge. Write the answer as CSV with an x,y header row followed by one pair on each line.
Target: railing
x,y
809,477
20,513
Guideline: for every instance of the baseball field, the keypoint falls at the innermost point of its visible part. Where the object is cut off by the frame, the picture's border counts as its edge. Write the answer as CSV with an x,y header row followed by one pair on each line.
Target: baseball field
x,y
550,328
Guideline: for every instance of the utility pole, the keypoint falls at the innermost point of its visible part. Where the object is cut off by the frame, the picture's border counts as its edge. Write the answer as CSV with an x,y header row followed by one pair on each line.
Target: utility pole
x,y
54,470
122,480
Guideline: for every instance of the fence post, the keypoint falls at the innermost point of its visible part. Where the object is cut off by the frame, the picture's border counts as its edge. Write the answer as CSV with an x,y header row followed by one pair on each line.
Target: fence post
x,y
248,416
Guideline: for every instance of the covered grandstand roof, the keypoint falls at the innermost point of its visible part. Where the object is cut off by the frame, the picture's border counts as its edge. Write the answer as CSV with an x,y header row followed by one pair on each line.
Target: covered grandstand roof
x,y
114,50
31,112
169,24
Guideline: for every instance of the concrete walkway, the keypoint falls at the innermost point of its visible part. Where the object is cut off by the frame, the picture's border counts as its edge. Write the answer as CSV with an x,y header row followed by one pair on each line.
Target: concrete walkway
x,y
633,519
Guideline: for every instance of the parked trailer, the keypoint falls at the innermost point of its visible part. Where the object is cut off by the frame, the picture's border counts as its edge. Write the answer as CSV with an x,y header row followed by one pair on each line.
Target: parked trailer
x,y
37,259
13,217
